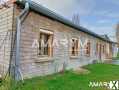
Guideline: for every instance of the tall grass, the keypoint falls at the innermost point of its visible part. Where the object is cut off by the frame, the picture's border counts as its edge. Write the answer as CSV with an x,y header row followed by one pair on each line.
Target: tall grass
x,y
5,83
8,83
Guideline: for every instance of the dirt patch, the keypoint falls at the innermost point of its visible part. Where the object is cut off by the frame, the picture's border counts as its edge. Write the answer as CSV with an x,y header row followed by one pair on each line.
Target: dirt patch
x,y
81,71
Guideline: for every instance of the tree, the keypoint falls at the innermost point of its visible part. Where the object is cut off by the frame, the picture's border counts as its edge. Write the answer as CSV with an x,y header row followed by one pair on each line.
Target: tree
x,y
76,19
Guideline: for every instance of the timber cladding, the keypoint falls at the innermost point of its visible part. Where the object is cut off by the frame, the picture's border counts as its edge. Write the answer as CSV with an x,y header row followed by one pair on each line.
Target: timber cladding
x,y
6,21
32,64
35,27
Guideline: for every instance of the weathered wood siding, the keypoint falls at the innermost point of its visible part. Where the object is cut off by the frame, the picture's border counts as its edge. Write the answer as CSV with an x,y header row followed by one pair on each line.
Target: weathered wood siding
x,y
6,22
29,55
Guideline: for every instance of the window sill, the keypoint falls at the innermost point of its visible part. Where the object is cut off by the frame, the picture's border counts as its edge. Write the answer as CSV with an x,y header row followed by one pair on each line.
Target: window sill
x,y
87,55
44,59
74,57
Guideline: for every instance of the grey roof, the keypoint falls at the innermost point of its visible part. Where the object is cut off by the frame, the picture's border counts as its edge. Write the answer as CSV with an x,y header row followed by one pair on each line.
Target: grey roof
x,y
45,11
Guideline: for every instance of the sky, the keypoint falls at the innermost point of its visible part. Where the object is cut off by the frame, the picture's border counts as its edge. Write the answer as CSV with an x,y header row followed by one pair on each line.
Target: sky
x,y
99,16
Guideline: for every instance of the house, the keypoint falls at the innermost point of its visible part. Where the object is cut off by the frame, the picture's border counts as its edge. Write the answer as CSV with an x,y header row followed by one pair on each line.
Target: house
x,y
26,24
114,46
117,35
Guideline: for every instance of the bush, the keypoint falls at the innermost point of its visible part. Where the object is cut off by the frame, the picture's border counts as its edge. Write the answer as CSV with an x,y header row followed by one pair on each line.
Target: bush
x,y
118,55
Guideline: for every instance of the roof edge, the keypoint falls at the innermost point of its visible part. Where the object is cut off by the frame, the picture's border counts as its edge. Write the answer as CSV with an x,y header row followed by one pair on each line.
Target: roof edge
x,y
45,11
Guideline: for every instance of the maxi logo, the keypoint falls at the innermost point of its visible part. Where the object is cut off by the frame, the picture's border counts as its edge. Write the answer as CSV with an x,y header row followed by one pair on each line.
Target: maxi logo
x,y
114,85
63,42
111,85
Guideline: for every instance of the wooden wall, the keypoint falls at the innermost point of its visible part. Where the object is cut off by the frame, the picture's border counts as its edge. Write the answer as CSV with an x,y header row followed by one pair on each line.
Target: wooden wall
x,y
6,22
32,64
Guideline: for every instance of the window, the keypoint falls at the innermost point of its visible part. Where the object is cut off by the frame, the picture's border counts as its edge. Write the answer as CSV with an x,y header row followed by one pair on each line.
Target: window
x,y
87,49
74,49
103,49
97,48
45,44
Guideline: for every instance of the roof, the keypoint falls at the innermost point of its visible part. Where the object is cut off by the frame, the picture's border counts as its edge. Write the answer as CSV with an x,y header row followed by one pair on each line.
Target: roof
x,y
45,11
105,36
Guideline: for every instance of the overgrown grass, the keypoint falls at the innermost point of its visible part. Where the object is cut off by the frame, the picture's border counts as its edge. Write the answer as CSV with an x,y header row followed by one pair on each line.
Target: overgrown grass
x,y
72,81
5,84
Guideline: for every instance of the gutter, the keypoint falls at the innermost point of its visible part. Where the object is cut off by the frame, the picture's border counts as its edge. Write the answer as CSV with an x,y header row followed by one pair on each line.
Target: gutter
x,y
46,12
20,19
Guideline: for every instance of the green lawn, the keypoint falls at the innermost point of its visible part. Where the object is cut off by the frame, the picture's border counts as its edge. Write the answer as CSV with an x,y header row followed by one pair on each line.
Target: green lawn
x,y
72,81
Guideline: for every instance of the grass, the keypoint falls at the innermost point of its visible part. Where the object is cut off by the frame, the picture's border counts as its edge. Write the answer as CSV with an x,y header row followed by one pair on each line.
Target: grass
x,y
73,81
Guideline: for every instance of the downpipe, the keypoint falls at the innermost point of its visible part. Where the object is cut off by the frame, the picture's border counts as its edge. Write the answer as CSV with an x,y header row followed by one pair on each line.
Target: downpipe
x,y
17,73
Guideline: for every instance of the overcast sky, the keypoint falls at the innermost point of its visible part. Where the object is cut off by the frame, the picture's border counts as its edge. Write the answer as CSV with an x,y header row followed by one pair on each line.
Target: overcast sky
x,y
100,16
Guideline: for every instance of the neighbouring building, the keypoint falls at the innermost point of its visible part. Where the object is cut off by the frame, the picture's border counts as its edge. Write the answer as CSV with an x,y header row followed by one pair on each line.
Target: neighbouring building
x,y
23,28
117,34
114,46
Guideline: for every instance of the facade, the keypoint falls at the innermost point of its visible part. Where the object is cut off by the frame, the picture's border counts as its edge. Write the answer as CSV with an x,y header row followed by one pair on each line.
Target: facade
x,y
117,35
6,33
25,54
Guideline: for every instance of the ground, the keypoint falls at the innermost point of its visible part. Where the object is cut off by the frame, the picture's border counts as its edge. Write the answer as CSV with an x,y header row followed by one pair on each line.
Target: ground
x,y
73,81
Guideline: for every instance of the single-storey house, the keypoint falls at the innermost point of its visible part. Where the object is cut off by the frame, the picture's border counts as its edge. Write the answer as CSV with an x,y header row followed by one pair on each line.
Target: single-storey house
x,y
25,25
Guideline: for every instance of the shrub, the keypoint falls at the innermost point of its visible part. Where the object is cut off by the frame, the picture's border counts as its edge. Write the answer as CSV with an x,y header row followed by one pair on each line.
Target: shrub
x,y
118,55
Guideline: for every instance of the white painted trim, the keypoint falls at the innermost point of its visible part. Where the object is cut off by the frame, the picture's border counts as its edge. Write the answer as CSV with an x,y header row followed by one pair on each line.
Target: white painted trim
x,y
75,38
46,31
